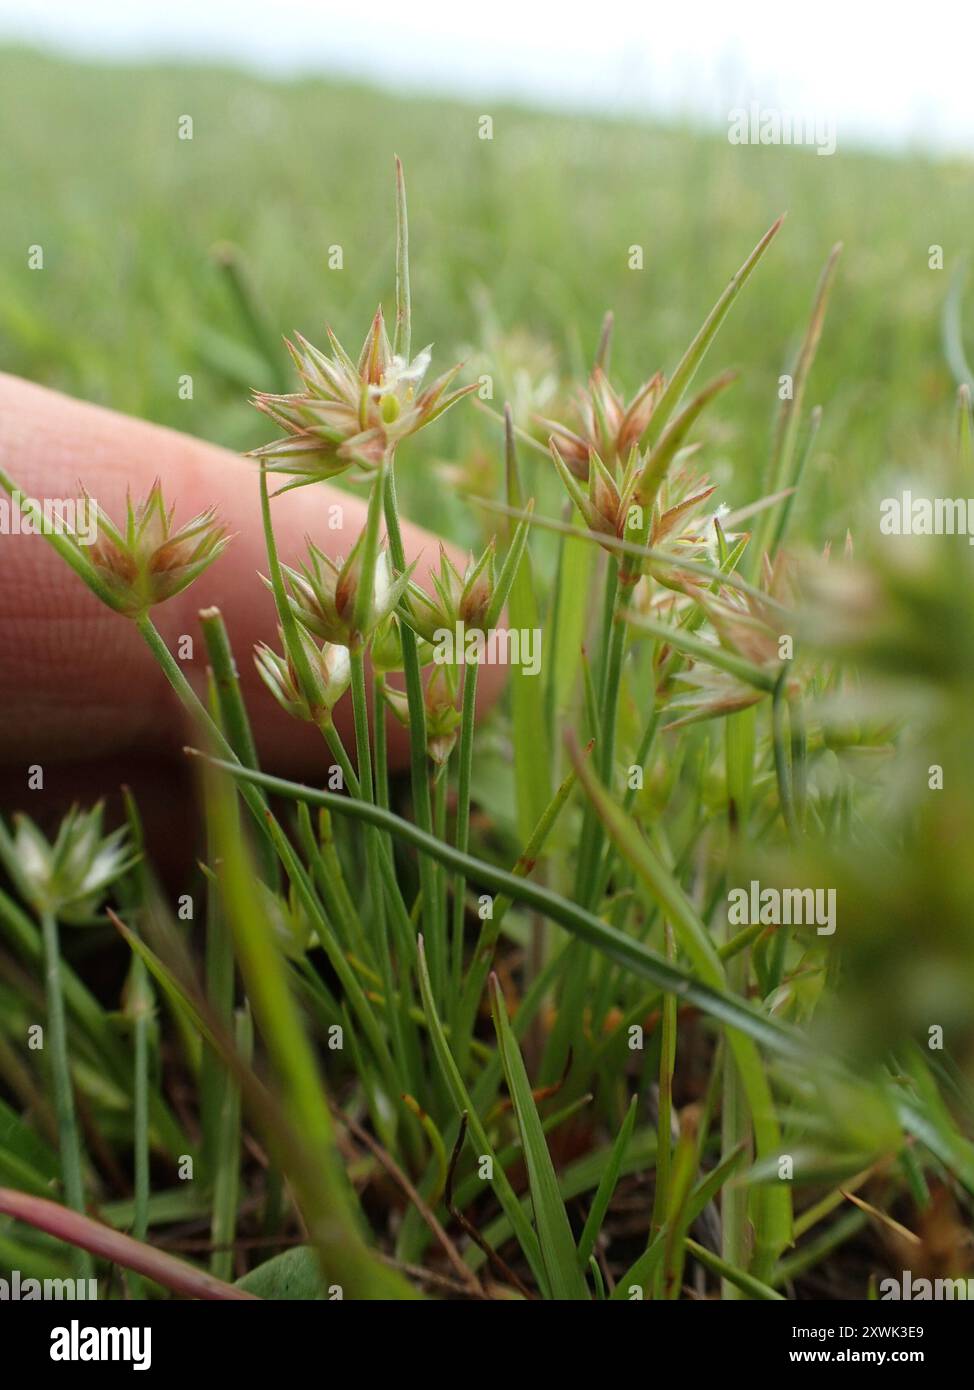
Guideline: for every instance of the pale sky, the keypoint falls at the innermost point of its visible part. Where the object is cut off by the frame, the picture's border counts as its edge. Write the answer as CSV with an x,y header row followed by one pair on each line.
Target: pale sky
x,y
886,74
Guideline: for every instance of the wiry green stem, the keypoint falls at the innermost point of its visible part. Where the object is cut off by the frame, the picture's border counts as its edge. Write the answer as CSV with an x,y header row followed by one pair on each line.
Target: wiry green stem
x,y
435,934
387,866
373,848
462,832
226,1188
143,1021
664,1140
233,716
68,1136
364,758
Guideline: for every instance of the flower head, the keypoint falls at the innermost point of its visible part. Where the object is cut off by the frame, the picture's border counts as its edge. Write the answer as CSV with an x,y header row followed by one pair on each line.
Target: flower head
x,y
350,412
612,505
738,658
442,716
70,876
465,598
150,562
607,426
331,662
323,594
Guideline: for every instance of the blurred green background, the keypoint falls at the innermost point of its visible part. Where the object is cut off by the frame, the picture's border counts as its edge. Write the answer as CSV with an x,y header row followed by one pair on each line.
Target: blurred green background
x,y
535,224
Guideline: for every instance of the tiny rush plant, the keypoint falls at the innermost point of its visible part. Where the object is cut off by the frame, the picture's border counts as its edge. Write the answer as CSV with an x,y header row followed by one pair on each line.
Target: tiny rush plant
x,y
616,996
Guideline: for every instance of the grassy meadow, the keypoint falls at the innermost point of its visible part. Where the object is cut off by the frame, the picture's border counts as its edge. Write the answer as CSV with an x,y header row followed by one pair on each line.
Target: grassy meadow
x,y
528,233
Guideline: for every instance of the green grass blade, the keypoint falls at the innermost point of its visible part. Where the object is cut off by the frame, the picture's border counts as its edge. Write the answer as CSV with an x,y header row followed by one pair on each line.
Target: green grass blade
x,y
607,1186
685,371
570,619
233,714
458,1094
565,1279
532,764
402,337
642,1272
747,1283
781,470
